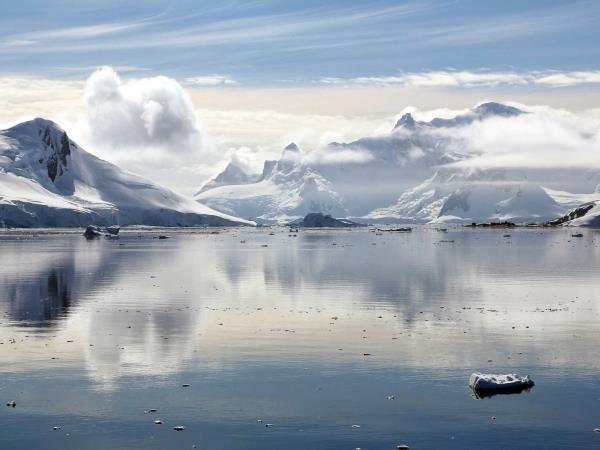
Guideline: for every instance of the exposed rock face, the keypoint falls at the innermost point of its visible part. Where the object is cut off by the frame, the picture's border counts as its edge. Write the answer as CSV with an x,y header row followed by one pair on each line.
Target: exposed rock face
x,y
268,168
406,121
289,158
319,220
57,152
572,215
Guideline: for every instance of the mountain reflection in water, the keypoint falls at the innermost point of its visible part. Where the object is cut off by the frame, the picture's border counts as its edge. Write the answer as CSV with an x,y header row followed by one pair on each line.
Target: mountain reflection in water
x,y
267,331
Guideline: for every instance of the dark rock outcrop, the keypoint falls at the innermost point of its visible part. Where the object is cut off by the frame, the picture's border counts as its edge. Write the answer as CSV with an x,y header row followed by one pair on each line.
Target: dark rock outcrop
x,y
56,161
319,220
493,225
571,215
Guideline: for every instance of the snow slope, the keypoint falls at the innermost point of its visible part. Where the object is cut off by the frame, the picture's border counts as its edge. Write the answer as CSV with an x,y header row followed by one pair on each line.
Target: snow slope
x,y
231,175
585,215
46,179
473,195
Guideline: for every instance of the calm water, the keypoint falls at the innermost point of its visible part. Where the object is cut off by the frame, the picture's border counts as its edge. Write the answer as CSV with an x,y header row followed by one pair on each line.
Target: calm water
x,y
310,334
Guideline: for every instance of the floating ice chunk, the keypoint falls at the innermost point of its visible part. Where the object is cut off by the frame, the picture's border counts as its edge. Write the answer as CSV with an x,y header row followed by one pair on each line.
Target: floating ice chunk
x,y
113,230
486,384
92,232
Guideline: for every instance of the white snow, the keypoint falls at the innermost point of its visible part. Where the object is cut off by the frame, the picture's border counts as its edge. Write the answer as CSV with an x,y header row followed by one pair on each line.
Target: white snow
x,y
420,172
84,188
591,218
14,188
410,175
287,191
499,383
233,174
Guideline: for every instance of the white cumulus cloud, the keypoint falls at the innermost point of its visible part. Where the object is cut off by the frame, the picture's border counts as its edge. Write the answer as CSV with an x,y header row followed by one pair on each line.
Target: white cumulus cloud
x,y
140,114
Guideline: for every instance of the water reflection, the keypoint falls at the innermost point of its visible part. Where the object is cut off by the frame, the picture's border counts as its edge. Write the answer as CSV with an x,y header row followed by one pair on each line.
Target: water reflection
x,y
41,305
153,308
313,333
481,394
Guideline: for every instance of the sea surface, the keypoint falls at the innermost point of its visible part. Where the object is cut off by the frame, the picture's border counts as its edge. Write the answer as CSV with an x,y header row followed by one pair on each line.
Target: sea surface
x,y
334,339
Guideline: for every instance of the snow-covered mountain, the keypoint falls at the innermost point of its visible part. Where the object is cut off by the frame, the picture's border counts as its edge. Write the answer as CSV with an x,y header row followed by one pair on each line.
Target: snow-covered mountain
x,y
585,215
343,179
419,172
473,195
286,190
480,112
232,174
46,179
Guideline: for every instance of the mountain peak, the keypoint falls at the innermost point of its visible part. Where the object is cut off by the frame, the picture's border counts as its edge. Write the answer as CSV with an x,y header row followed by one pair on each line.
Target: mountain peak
x,y
34,125
48,144
48,180
233,174
497,109
406,121
292,147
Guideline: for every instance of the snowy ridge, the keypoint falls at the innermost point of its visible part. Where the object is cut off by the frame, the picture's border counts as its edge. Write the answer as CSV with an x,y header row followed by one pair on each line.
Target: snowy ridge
x,y
46,179
473,195
585,215
231,175
480,112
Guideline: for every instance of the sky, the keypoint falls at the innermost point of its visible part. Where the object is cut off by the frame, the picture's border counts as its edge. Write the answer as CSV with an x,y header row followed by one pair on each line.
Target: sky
x,y
173,89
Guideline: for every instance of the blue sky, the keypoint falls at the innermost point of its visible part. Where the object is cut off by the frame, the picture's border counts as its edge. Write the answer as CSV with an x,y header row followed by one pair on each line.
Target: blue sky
x,y
262,43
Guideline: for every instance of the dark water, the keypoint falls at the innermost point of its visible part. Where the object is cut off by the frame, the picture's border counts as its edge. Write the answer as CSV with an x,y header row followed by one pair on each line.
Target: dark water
x,y
93,334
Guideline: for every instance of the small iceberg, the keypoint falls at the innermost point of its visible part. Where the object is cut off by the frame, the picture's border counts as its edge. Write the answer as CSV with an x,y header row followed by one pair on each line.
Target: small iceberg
x,y
93,231
113,230
487,384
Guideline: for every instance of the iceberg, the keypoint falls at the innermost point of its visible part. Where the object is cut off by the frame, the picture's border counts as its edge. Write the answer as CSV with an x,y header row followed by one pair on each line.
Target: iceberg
x,y
487,385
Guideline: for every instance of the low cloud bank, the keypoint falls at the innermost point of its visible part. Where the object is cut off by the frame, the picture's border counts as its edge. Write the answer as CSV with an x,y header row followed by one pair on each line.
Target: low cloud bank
x,y
543,138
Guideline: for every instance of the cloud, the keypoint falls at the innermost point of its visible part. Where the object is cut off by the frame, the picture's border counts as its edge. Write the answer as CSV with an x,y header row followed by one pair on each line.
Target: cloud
x,y
140,114
329,156
259,122
83,32
87,69
408,26
560,79
42,38
257,27
545,138
210,80
469,79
